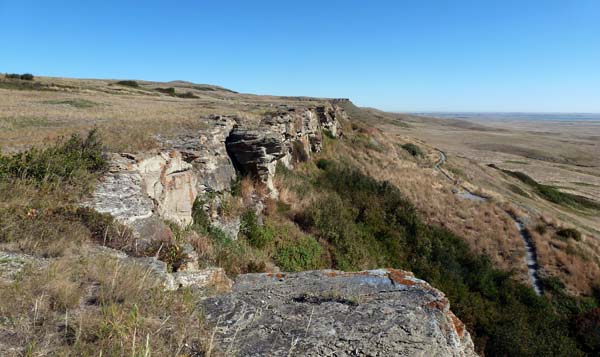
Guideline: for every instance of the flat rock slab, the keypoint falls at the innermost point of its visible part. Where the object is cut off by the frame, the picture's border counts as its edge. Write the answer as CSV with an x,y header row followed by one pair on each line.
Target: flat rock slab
x,y
372,313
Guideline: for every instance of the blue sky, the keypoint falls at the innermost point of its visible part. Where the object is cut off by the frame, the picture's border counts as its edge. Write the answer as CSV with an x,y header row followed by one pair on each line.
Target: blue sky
x,y
416,55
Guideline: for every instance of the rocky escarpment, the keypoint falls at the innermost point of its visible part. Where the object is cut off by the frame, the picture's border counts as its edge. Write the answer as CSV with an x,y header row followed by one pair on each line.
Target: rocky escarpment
x,y
141,188
320,313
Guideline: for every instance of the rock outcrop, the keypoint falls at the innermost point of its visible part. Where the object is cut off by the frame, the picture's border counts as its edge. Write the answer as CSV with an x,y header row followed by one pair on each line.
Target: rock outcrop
x,y
287,135
165,184
320,313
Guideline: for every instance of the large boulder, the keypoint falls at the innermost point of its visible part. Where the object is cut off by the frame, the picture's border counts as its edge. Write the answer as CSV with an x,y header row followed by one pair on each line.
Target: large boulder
x,y
319,313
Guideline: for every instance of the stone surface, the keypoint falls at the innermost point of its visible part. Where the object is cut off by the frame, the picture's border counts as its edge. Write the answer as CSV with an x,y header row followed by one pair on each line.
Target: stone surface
x,y
168,180
119,192
138,186
11,264
371,313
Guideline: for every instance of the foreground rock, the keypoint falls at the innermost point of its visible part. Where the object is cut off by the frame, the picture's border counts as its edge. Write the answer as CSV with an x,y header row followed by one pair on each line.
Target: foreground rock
x,y
374,313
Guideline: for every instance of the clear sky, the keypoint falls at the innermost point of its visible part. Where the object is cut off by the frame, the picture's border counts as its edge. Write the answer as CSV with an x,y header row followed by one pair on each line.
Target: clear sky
x,y
412,55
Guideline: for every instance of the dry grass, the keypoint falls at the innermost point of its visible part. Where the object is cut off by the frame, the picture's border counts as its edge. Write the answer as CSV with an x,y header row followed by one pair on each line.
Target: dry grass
x,y
96,306
128,118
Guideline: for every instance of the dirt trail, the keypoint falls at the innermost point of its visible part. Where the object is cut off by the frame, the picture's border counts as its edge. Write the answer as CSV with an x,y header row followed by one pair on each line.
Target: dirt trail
x,y
530,252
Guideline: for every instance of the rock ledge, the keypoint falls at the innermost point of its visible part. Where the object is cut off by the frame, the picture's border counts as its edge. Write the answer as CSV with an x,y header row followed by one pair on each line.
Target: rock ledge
x,y
377,313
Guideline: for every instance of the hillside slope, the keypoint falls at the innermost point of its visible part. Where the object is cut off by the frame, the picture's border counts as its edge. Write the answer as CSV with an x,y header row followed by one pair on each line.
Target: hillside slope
x,y
176,191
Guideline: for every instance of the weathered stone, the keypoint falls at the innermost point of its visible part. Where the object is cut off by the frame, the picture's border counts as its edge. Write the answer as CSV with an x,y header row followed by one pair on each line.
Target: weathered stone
x,y
134,189
11,264
257,151
209,278
168,180
378,312
229,225
119,192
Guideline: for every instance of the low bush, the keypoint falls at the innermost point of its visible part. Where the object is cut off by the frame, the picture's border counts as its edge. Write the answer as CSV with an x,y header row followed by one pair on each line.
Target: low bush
x,y
129,83
187,95
66,161
169,91
541,228
568,233
299,255
413,149
24,77
259,236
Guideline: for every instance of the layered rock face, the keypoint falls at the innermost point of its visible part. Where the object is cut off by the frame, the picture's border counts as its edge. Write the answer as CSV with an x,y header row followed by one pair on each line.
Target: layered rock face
x,y
320,313
138,186
279,137
165,184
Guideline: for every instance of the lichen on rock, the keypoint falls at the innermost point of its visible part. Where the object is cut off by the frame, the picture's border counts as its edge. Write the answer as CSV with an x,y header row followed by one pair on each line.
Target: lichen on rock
x,y
378,313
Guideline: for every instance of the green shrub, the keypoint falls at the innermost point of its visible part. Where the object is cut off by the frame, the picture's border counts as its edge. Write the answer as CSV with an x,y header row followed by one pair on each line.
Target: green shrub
x,y
566,233
168,251
168,91
200,220
66,161
187,95
129,83
552,194
323,164
541,228
259,236
413,149
24,76
27,77
300,255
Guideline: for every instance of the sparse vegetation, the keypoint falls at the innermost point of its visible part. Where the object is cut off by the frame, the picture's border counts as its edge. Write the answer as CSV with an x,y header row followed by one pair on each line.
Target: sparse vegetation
x,y
187,95
169,91
75,103
518,190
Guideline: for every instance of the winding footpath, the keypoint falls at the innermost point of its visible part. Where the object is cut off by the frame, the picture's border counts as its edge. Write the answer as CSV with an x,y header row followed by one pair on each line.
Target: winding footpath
x,y
530,252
